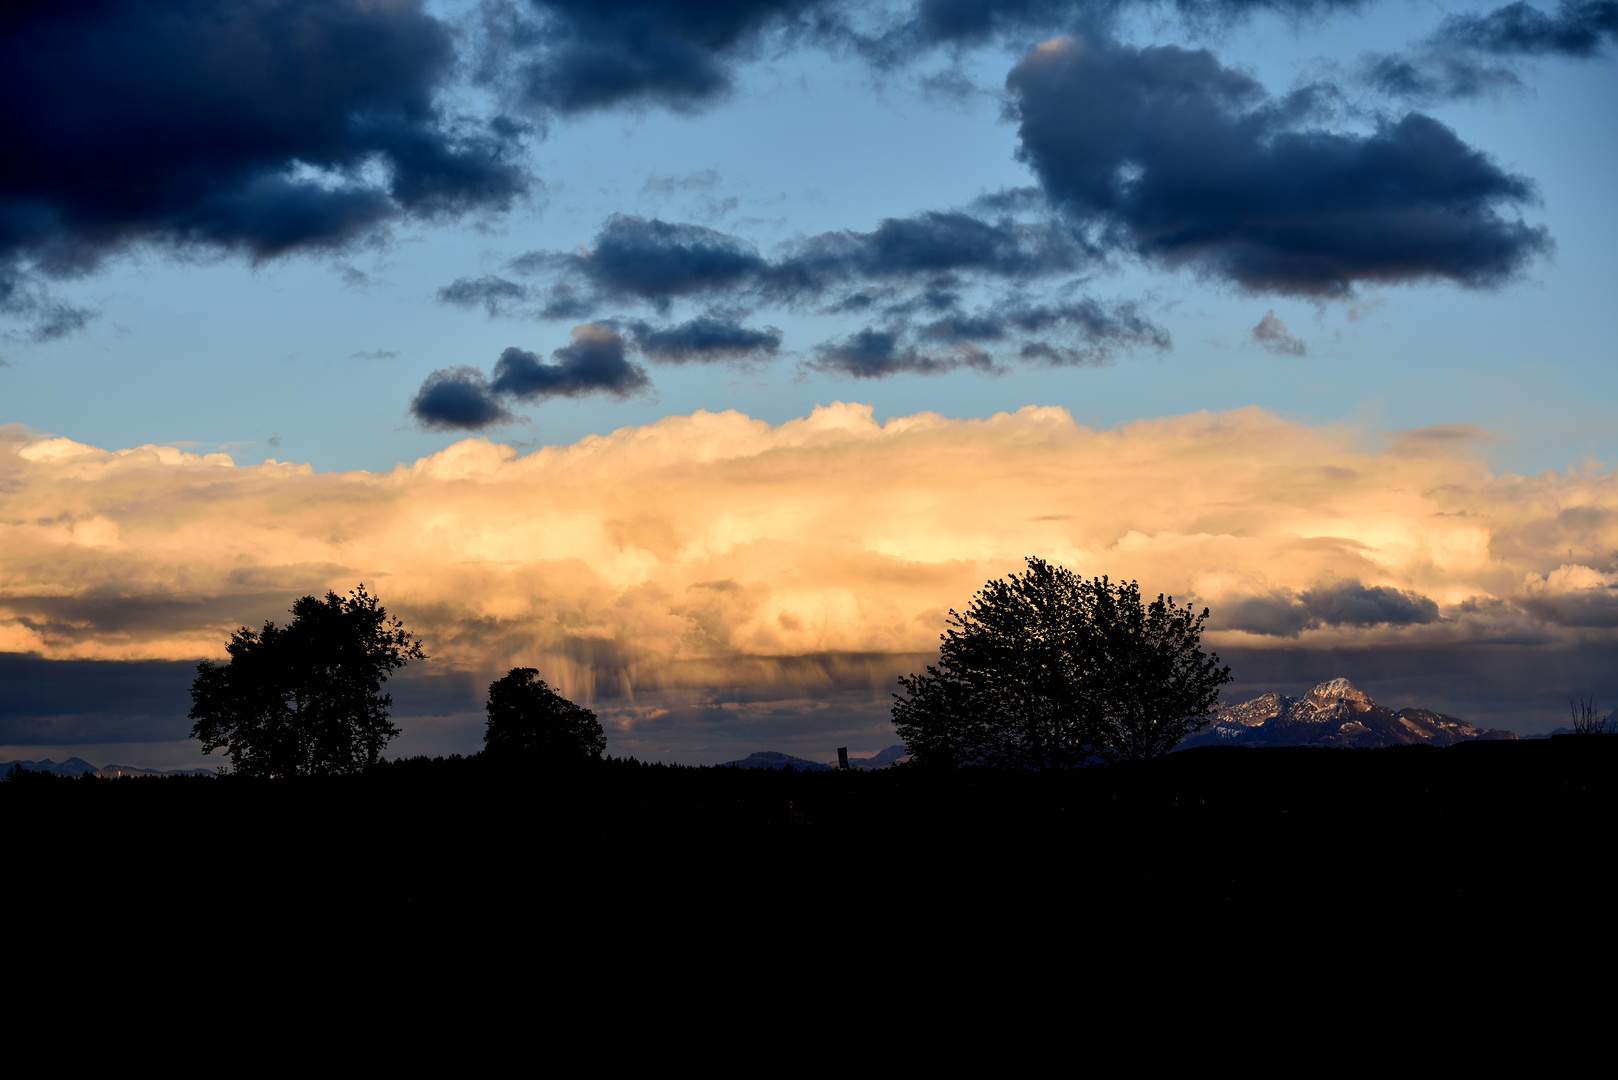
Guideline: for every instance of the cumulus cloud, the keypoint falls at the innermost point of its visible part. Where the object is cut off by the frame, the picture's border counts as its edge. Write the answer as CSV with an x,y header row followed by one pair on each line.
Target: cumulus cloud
x,y
261,127
1576,596
1272,334
711,550
713,579
1167,153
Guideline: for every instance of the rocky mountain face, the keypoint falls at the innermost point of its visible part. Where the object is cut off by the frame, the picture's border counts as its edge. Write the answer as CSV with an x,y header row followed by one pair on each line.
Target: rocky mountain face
x,y
1337,714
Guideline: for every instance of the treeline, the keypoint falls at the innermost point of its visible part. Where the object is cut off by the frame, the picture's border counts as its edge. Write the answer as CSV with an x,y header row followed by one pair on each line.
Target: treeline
x,y
1550,782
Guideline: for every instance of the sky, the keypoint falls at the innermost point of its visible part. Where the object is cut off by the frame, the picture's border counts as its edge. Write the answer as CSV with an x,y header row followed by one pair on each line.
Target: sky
x,y
704,356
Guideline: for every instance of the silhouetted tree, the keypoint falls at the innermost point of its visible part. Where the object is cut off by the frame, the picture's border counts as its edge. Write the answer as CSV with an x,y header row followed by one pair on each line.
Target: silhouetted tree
x,y
305,698
1586,721
528,721
1048,670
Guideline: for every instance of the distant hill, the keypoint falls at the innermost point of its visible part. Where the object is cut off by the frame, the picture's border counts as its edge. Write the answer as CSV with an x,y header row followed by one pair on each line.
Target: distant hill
x,y
1336,714
71,767
115,771
74,766
773,759
879,759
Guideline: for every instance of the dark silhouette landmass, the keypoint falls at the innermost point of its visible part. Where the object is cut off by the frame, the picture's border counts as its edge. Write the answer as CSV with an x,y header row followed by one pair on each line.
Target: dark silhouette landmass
x,y
1263,844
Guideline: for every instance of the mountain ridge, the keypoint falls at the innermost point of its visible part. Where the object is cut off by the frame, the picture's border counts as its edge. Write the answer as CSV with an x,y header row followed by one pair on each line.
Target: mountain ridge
x,y
76,766
1334,713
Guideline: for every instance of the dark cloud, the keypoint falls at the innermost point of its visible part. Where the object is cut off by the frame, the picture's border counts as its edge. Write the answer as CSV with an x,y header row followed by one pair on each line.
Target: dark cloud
x,y
877,354
648,259
1165,152
970,22
656,262
1093,331
572,56
1272,334
1470,55
705,339
458,398
930,243
1420,77
495,294
904,268
1590,607
1348,603
1276,614
1096,325
593,363
462,398
48,318
1283,613
255,126
1578,28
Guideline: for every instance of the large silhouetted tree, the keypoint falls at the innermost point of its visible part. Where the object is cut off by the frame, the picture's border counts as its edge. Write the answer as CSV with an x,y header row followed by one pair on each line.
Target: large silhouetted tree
x,y
1049,670
530,722
305,698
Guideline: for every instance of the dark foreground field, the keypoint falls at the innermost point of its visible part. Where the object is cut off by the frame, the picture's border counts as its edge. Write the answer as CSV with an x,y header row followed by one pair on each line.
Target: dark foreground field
x,y
1298,841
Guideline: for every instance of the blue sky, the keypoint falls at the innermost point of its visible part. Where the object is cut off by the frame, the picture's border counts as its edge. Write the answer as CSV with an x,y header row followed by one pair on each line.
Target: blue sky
x,y
325,349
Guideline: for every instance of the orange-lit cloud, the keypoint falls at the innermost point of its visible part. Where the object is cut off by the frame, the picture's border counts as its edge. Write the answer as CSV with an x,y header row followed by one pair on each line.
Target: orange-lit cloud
x,y
717,550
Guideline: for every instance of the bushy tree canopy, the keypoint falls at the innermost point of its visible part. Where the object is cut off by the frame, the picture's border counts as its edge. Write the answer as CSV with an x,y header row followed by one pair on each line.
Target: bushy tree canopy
x,y
305,698
1049,670
530,722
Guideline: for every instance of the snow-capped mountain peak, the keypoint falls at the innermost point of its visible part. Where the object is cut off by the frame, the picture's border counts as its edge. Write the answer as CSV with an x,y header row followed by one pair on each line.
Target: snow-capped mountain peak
x,y
1338,688
1333,713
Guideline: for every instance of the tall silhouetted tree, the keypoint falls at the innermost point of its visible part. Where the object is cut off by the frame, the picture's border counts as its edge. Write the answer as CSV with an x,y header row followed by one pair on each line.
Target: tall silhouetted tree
x,y
530,722
1048,670
305,698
